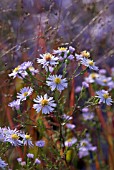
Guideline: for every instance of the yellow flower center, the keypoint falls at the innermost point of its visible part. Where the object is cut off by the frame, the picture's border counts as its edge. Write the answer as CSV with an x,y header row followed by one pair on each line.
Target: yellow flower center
x,y
31,68
25,94
48,56
85,54
14,136
106,95
62,48
91,63
93,75
44,102
16,69
104,81
57,80
84,144
27,137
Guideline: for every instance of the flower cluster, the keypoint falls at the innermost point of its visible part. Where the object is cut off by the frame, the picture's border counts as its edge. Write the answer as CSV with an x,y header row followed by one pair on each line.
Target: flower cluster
x,y
21,70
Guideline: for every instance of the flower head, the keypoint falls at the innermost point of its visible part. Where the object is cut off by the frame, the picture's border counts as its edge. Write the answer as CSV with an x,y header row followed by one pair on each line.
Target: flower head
x,y
104,97
30,155
37,161
56,82
44,104
2,164
27,140
15,104
48,61
24,93
89,63
70,142
40,143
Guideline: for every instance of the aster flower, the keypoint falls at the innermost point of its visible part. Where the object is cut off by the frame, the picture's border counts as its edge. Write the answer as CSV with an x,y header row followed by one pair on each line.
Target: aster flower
x,y
92,78
103,80
84,54
15,104
40,143
27,140
70,142
88,115
56,82
20,71
37,161
44,104
48,61
24,93
60,50
19,160
84,147
66,117
30,155
89,63
70,126
104,97
2,164
12,136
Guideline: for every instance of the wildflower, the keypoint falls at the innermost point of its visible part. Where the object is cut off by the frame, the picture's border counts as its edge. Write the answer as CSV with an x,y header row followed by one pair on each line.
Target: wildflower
x,y
92,78
71,49
85,84
70,142
103,80
19,160
89,63
23,163
44,104
110,85
104,97
66,117
15,104
48,61
21,70
24,93
2,164
70,126
30,155
12,136
27,140
40,143
56,82
85,109
85,54
60,50
18,72
84,147
37,161
102,71
88,116
78,89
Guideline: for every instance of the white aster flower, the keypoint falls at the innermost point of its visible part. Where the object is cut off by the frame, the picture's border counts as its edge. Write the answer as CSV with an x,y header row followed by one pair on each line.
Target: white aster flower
x,y
89,63
56,82
48,61
44,104
70,142
3,164
15,104
24,93
12,136
104,97
60,50
27,140
92,78
18,72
